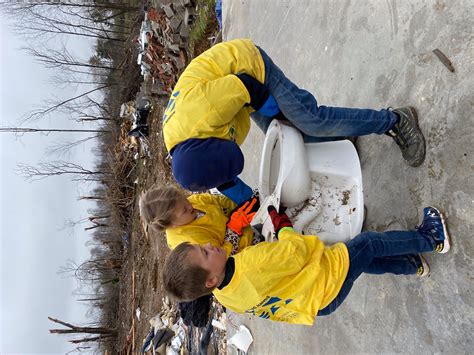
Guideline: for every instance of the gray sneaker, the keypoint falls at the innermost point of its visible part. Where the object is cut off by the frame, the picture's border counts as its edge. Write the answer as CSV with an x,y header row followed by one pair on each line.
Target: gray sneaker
x,y
408,136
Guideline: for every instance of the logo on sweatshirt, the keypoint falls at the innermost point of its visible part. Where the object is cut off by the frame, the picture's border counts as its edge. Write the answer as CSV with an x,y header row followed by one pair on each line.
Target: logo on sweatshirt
x,y
169,110
268,307
232,133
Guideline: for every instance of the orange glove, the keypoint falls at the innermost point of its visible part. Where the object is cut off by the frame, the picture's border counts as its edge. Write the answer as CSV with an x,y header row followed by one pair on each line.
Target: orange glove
x,y
241,217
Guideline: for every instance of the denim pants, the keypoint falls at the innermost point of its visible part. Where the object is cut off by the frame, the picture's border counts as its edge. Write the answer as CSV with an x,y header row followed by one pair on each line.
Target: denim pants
x,y
379,253
318,123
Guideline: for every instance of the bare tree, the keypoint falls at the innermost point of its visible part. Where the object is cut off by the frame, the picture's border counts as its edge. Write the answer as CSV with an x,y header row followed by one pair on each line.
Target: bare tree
x,y
74,329
56,105
62,148
89,19
56,168
48,130
99,269
62,58
78,349
95,220
96,198
70,78
89,118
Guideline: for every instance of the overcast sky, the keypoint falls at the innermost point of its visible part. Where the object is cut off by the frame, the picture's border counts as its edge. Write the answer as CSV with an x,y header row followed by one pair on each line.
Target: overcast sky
x,y
32,246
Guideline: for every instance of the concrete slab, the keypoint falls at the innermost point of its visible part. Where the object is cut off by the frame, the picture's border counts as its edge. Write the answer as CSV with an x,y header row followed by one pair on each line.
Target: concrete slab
x,y
377,54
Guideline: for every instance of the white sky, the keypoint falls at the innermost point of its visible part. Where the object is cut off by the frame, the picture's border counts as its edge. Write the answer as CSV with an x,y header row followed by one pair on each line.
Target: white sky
x,y
32,246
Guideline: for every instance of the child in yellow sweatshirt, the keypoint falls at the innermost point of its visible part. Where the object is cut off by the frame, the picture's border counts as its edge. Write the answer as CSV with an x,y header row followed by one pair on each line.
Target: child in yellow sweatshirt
x,y
198,219
298,277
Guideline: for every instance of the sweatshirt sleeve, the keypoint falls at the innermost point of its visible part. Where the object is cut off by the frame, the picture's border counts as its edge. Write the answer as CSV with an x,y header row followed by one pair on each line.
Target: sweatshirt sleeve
x,y
225,203
258,92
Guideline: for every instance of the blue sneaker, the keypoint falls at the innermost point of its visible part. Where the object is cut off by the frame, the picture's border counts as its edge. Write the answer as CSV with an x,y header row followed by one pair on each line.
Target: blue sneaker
x,y
422,266
434,226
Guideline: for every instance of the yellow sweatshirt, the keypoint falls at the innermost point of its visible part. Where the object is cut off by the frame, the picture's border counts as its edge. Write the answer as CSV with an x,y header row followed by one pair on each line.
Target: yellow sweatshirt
x,y
211,227
208,99
286,281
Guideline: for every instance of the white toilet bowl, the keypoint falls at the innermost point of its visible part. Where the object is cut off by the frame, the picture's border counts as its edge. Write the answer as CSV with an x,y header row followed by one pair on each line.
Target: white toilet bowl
x,y
321,181
284,169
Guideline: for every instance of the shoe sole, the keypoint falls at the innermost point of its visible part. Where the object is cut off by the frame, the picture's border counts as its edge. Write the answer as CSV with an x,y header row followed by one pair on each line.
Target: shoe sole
x,y
415,116
426,266
447,238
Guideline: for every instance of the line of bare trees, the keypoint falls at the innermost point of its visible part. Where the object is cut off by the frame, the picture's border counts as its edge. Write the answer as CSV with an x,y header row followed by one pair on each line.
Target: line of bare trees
x,y
103,83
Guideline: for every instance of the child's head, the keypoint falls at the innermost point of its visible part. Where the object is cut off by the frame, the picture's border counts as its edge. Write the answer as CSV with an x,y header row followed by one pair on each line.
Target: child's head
x,y
162,207
192,271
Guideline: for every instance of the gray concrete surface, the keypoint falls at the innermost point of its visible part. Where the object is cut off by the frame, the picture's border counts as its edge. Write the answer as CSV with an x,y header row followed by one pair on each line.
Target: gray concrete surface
x,y
377,54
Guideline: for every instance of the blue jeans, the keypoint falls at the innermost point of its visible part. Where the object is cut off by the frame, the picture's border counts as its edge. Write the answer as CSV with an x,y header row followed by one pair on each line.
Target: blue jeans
x,y
380,253
317,123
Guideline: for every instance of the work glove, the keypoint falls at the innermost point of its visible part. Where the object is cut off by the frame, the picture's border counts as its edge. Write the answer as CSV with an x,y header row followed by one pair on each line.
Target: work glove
x,y
242,216
279,220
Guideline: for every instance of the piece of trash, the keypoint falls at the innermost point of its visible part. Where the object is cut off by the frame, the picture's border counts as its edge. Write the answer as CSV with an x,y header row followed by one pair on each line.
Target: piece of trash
x,y
178,340
162,336
205,339
156,321
147,342
125,239
242,339
218,324
443,59
138,312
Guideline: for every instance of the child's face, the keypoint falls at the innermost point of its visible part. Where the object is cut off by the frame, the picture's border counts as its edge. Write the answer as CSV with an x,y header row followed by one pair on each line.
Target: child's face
x,y
184,213
210,258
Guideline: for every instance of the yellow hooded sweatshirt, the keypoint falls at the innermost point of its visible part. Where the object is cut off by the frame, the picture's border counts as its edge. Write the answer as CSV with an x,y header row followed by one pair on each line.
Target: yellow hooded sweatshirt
x,y
210,228
286,281
208,99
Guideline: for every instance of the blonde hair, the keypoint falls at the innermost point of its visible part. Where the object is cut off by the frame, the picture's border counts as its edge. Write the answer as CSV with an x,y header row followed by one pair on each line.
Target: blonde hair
x,y
157,206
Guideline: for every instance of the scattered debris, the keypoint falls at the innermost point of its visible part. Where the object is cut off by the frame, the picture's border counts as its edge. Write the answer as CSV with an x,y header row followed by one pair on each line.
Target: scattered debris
x,y
148,342
125,239
218,324
162,337
206,338
134,129
242,339
443,59
162,41
304,213
196,312
346,195
174,336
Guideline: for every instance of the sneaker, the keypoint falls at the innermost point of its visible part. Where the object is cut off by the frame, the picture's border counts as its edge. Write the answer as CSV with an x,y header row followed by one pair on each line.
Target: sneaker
x,y
423,269
408,136
434,226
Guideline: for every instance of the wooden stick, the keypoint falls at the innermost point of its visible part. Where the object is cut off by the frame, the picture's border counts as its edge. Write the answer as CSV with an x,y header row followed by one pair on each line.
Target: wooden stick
x,y
443,59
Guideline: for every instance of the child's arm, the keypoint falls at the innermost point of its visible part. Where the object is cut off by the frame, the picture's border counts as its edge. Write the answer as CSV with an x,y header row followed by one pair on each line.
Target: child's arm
x,y
224,202
231,242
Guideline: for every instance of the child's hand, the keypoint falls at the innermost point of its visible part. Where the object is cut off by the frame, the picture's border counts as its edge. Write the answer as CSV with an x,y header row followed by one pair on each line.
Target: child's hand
x,y
241,217
279,220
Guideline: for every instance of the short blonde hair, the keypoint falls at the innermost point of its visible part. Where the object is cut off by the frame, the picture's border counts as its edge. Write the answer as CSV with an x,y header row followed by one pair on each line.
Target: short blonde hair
x,y
157,206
